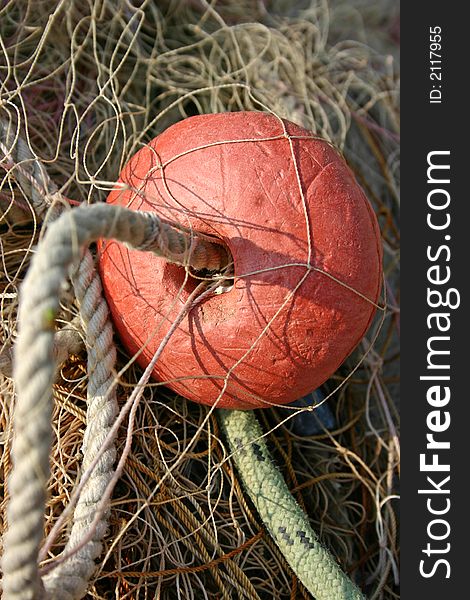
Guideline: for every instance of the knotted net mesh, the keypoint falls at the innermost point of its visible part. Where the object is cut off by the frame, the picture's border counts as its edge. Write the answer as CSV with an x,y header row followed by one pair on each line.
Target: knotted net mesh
x,y
84,85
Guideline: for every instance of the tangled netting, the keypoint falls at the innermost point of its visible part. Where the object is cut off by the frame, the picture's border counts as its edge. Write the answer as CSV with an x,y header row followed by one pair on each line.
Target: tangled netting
x,y
84,85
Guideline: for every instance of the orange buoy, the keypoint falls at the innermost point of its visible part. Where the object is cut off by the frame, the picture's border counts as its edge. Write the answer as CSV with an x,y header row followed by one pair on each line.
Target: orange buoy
x,y
306,250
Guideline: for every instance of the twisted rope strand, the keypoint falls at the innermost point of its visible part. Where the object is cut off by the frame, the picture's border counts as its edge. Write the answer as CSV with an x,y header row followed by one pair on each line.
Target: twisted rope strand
x,y
287,523
34,366
69,580
64,241
177,244
29,172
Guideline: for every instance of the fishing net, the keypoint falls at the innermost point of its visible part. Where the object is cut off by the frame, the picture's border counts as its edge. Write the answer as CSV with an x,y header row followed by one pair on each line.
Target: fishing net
x,y
83,85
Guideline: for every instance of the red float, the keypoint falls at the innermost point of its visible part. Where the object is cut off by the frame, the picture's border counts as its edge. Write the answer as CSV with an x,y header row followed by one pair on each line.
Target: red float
x,y
297,308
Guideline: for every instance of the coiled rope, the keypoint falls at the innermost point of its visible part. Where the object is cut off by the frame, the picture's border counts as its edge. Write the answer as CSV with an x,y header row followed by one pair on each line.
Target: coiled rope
x,y
70,578
61,247
64,246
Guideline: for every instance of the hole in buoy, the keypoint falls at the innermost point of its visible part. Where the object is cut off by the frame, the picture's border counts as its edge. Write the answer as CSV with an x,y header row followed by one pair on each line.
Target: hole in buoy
x,y
225,281
185,280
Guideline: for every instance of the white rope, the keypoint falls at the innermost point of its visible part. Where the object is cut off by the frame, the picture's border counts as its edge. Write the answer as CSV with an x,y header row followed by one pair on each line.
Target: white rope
x,y
69,580
34,364
29,172
34,370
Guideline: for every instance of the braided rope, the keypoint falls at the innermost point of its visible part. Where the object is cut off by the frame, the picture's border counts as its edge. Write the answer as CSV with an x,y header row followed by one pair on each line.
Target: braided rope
x,y
61,247
285,520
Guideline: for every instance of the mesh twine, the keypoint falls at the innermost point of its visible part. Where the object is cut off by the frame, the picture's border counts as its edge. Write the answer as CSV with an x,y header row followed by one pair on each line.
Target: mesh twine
x,y
88,86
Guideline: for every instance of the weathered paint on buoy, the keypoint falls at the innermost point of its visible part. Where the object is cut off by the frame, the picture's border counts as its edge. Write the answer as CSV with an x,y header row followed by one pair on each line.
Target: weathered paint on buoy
x,y
233,176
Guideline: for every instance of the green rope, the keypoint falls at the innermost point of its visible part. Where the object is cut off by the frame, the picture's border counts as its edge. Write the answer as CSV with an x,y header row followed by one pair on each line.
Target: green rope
x,y
287,523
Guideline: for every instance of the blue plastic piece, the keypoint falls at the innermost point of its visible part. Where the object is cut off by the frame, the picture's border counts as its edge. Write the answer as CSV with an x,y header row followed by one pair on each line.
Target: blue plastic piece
x,y
313,422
